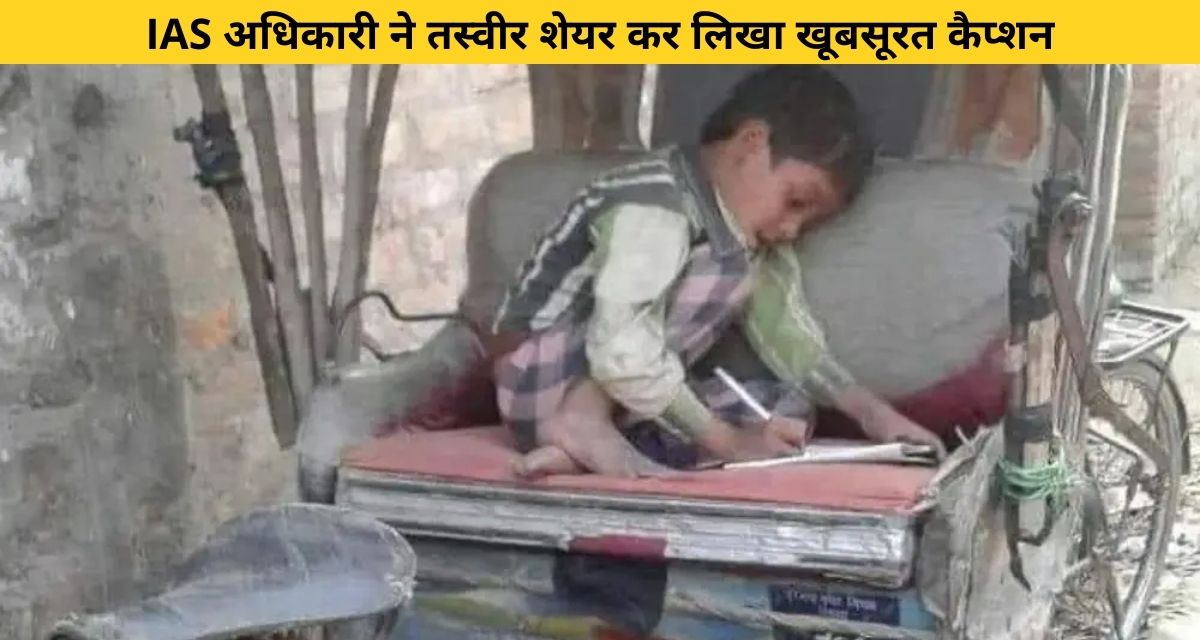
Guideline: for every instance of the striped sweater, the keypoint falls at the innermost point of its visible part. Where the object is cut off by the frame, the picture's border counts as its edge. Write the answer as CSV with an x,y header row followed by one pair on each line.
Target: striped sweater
x,y
653,212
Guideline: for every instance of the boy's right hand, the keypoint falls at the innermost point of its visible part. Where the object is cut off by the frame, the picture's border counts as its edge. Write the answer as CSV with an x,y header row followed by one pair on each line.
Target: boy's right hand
x,y
754,441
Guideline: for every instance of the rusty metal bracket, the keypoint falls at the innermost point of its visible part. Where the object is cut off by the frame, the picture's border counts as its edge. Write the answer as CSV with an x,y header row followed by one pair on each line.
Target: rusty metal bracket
x,y
214,149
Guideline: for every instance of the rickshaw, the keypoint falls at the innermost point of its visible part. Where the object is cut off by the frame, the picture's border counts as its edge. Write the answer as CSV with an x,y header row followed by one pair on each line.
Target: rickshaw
x,y
1021,532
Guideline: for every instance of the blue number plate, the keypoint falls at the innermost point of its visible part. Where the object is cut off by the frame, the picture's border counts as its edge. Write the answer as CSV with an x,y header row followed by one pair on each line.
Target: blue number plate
x,y
856,607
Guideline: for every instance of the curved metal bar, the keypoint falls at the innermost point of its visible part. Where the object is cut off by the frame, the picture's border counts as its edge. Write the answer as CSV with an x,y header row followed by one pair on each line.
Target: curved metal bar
x,y
1119,105
391,309
1094,166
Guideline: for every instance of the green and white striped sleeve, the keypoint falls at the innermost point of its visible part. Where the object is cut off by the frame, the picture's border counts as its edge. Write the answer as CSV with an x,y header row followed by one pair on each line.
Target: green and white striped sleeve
x,y
783,332
640,251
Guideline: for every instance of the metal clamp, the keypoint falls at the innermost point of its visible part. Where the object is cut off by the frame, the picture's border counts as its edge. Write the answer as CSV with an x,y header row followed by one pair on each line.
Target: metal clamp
x,y
214,149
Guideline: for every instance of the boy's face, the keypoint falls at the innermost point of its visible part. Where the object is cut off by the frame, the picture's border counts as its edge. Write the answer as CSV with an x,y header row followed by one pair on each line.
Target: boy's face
x,y
773,201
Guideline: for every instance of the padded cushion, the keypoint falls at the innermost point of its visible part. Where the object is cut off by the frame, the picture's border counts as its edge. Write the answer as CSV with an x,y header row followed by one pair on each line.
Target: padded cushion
x,y
484,454
515,202
910,283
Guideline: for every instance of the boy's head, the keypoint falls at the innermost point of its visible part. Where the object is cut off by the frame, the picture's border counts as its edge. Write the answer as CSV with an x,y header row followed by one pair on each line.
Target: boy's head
x,y
786,148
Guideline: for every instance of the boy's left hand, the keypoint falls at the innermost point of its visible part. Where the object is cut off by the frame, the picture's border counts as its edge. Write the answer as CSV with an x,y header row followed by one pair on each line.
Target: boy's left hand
x,y
894,427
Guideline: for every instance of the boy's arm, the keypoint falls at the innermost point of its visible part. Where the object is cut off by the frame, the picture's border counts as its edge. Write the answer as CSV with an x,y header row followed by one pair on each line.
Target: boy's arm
x,y
785,335
791,343
640,251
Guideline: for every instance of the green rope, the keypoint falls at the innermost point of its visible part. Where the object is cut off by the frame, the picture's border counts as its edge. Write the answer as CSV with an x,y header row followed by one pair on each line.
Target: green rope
x,y
1034,482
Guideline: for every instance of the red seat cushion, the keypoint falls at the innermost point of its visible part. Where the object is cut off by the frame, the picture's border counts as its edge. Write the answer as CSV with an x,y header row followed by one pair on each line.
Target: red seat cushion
x,y
484,454
973,398
468,400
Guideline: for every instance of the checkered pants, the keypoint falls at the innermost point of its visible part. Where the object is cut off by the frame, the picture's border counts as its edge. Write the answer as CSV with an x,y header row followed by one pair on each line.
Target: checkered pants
x,y
532,380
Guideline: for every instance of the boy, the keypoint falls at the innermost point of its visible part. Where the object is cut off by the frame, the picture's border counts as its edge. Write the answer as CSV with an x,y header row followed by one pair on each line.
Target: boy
x,y
654,260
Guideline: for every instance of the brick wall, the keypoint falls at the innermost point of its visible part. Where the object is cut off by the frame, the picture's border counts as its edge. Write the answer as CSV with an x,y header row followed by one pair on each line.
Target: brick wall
x,y
1179,163
1159,214
449,125
1136,226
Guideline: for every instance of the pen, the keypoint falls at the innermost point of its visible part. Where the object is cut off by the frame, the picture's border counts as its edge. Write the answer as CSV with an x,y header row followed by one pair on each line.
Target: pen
x,y
741,392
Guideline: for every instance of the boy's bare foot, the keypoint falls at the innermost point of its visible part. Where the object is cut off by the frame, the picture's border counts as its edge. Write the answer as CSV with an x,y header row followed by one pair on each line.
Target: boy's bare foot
x,y
587,446
543,461
582,438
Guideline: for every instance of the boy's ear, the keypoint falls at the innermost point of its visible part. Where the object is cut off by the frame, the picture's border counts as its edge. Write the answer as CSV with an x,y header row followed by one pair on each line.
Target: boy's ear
x,y
751,135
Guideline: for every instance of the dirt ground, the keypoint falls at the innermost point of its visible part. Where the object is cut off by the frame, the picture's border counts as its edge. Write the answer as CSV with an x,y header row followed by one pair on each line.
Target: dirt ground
x,y
1176,614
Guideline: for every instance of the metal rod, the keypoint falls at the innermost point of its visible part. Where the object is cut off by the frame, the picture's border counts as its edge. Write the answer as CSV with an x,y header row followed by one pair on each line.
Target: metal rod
x,y
1108,212
239,208
1094,166
887,452
1104,199
314,223
346,349
395,313
376,134
1081,267
293,317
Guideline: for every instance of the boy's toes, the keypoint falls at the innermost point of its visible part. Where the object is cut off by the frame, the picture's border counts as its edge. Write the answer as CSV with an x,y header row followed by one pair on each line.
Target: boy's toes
x,y
545,460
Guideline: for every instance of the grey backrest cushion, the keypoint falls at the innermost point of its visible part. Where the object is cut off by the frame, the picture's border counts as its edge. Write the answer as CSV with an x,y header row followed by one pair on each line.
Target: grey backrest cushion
x,y
910,283
516,201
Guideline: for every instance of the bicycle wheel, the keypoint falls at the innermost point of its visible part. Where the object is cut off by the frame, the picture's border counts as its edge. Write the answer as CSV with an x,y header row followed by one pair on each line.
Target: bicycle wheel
x,y
1141,505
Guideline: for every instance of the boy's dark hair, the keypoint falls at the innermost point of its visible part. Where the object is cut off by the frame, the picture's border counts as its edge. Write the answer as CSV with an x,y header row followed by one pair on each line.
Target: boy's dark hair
x,y
811,116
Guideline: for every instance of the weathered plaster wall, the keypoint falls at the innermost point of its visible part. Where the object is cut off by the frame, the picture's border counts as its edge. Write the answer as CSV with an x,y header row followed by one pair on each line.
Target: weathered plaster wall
x,y
131,415
93,442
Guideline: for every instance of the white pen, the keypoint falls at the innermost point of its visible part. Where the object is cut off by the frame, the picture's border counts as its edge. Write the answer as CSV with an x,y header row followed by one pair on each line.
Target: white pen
x,y
894,452
741,392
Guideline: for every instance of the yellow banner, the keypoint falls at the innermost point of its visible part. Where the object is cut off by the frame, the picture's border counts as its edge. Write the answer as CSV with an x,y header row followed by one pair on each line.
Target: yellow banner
x,y
616,32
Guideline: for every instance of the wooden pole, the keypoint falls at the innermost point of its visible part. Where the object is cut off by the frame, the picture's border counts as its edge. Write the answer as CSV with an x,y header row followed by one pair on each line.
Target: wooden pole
x,y
614,97
632,87
559,110
586,106
546,108
314,224
239,207
292,315
381,116
347,344
571,80
364,161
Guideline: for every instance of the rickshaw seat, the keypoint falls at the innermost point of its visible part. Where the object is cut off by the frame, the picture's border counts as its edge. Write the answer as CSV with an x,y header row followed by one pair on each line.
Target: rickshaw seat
x,y
899,330
484,455
516,200
946,310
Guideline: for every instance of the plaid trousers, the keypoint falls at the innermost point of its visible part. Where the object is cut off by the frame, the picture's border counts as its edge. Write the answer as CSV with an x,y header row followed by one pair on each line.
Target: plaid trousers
x,y
533,379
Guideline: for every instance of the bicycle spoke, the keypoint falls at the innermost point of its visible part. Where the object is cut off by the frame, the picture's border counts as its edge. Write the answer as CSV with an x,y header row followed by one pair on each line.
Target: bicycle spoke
x,y
1110,591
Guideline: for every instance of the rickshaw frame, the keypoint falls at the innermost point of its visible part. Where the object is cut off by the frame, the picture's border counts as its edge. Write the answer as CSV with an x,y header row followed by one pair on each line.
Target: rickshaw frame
x,y
1055,532
1095,122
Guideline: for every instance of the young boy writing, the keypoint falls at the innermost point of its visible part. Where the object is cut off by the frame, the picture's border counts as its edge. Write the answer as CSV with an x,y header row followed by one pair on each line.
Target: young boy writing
x,y
655,259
